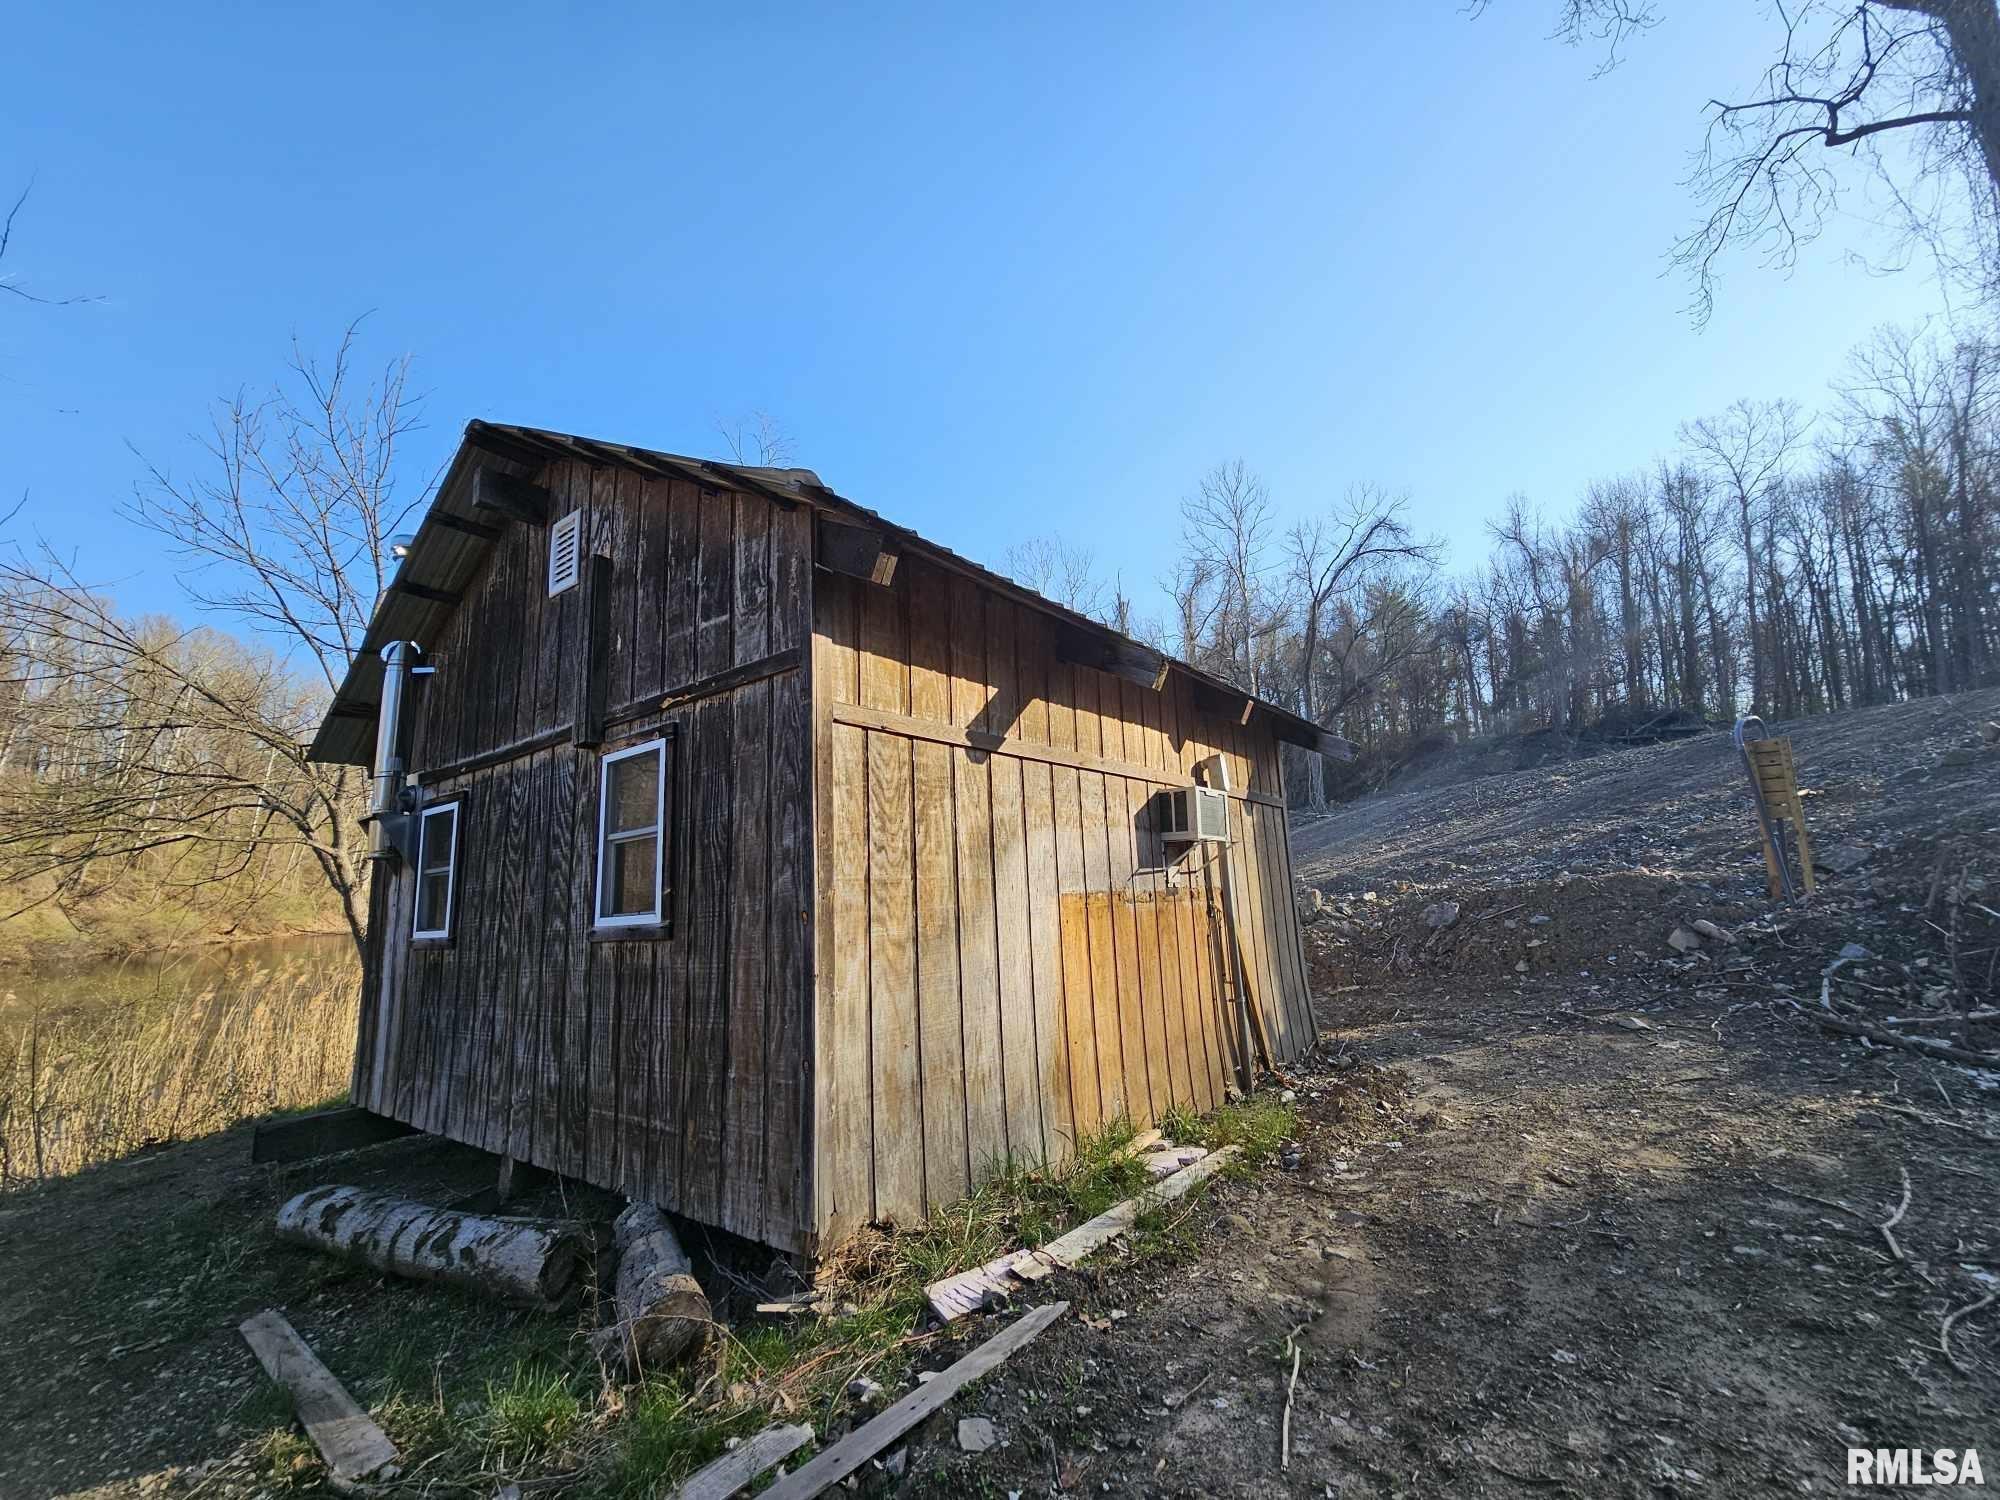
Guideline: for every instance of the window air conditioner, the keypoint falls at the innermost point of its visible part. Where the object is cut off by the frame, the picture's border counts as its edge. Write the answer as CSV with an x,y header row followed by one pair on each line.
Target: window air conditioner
x,y
1196,815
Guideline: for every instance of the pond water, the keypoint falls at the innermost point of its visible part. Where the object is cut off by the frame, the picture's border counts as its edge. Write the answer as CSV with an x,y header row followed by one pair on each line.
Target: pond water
x,y
145,981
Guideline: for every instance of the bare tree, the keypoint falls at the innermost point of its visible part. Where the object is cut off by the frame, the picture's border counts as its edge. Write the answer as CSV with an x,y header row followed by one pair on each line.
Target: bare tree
x,y
1060,570
286,530
1335,563
8,283
759,439
1848,77
1746,450
1226,532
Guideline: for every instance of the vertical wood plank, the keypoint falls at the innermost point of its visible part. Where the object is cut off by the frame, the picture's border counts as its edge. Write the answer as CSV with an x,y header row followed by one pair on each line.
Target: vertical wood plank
x,y
751,627
526,1021
1031,673
1059,679
1113,1078
682,601
561,935
1157,937
930,644
1125,944
836,640
941,1041
715,623
789,1061
970,690
1089,723
1145,948
750,977
1078,973
1045,940
1249,918
983,1024
513,852
892,984
843,1145
711,938
1003,710
1014,935
885,671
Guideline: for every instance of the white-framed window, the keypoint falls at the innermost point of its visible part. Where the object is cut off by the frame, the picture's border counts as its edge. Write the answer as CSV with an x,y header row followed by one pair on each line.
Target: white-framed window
x,y
631,836
437,870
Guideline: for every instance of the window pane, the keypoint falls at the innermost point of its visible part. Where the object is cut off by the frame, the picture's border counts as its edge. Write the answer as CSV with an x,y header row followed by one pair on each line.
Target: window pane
x,y
635,789
432,892
629,878
438,829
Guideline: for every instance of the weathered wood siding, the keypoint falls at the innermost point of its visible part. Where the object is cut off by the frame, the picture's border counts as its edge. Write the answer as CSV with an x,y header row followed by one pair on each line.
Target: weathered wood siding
x,y
1008,956
673,1069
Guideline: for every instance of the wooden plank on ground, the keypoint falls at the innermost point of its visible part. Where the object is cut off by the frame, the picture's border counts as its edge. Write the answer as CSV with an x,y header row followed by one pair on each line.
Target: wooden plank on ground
x,y
732,1471
350,1442
954,1296
1074,1247
862,1444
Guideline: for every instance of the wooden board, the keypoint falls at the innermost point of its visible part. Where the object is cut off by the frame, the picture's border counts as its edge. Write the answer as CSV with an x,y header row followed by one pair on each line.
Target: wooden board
x,y
1073,1248
851,1452
897,1129
940,1022
321,1134
347,1438
734,1470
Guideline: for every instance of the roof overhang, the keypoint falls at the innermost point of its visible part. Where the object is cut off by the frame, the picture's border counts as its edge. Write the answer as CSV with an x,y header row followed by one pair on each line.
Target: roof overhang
x,y
469,513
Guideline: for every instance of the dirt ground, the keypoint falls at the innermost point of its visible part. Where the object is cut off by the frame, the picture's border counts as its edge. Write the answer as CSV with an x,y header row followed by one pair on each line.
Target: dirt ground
x,y
1571,1212
1577,1213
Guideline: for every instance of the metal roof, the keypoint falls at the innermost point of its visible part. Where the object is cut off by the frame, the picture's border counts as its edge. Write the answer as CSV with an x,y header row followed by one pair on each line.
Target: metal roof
x,y
453,540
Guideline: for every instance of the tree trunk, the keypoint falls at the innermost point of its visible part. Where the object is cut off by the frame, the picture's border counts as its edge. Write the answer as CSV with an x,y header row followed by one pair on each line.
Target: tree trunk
x,y
532,1261
1974,29
662,1312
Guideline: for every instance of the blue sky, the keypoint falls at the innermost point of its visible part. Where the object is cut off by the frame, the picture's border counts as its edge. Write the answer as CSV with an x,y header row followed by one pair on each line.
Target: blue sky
x,y
1000,272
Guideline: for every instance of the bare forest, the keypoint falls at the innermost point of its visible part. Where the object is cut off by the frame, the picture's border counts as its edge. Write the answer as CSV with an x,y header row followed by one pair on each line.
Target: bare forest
x,y
1774,560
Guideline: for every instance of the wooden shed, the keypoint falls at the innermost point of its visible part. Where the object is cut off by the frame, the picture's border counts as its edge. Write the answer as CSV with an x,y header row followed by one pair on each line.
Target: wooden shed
x,y
748,854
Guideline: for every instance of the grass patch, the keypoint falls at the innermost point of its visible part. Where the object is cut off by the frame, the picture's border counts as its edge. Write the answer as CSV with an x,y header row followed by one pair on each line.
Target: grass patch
x,y
533,1413
1255,1126
477,1394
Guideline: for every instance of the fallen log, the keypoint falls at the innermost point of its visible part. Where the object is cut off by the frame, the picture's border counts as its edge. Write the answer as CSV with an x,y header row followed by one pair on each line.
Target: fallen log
x,y
531,1261
662,1314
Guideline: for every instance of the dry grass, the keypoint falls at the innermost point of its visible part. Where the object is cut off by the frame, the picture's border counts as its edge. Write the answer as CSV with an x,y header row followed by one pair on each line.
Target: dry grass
x,y
78,1088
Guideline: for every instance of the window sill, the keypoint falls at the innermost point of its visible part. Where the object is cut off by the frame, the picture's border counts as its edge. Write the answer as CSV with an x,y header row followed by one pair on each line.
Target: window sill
x,y
649,933
433,942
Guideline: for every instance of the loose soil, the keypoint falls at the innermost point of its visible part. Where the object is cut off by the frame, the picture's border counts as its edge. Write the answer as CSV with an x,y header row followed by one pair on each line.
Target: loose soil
x,y
1570,1212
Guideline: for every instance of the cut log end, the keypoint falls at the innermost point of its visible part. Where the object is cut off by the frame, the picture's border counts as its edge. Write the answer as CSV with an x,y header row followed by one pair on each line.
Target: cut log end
x,y
662,1314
